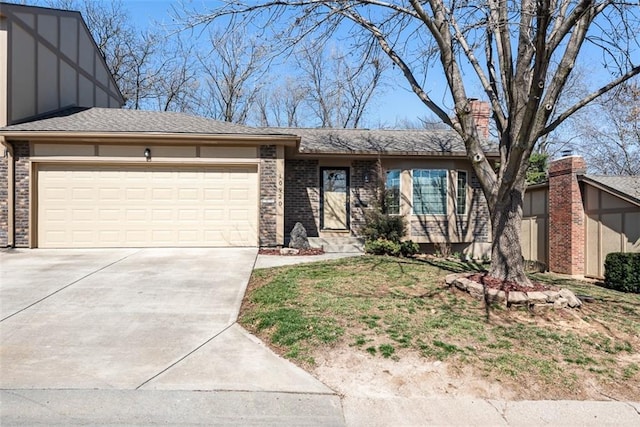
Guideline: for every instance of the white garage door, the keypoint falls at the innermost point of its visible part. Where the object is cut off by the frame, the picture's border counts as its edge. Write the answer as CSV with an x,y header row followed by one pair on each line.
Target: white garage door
x,y
146,206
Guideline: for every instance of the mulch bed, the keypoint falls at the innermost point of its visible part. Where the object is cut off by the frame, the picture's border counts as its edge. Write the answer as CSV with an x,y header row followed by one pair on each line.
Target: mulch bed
x,y
506,285
301,252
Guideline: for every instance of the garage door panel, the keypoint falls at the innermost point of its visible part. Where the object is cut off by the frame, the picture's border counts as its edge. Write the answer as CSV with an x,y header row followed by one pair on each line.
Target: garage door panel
x,y
119,206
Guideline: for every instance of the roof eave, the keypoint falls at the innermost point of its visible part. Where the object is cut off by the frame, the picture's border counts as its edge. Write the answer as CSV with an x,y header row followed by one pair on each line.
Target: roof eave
x,y
453,154
627,197
164,137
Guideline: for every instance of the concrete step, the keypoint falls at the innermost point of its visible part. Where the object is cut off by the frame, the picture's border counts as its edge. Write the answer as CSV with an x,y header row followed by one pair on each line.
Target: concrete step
x,y
338,244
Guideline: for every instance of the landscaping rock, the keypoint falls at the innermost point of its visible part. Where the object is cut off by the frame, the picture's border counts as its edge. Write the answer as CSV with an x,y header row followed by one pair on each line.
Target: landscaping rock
x,y
533,299
493,296
289,251
452,279
299,239
552,296
475,289
517,298
461,284
537,297
572,300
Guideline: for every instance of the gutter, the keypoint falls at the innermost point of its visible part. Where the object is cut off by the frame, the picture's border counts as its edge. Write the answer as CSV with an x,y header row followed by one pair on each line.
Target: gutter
x,y
10,191
166,138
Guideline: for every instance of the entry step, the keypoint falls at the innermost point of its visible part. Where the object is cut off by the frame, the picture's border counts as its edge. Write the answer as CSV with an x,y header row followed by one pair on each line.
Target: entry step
x,y
338,244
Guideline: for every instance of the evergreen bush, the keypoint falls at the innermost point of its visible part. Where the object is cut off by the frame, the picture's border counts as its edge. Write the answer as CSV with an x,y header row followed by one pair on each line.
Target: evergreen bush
x,y
622,272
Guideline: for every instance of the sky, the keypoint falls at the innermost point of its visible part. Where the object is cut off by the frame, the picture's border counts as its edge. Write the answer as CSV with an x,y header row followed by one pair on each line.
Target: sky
x,y
396,105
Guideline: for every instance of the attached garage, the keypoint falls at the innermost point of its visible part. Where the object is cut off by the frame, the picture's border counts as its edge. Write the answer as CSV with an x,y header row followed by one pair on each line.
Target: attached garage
x,y
84,206
106,177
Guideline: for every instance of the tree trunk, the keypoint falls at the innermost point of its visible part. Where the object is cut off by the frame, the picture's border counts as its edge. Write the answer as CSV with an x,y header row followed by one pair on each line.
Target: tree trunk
x,y
506,252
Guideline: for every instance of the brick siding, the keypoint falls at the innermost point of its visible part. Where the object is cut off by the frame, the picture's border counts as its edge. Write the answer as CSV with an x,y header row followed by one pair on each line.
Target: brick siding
x,y
363,192
4,198
566,217
479,214
268,196
301,196
22,188
481,114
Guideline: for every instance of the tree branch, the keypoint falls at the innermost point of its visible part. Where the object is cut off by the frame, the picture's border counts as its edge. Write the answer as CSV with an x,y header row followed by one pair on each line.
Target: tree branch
x,y
587,99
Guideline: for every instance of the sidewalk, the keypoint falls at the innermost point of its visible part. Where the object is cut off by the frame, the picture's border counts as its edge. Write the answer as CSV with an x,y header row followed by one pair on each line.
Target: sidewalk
x,y
268,261
408,412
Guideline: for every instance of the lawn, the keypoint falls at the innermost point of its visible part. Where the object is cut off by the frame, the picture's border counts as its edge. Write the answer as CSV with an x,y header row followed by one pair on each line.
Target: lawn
x,y
390,308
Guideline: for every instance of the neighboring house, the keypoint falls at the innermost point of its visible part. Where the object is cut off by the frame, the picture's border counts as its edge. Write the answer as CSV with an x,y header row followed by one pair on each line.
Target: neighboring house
x,y
574,220
80,172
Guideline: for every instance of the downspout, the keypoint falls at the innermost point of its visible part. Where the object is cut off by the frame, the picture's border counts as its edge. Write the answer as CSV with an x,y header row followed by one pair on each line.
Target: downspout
x,y
8,152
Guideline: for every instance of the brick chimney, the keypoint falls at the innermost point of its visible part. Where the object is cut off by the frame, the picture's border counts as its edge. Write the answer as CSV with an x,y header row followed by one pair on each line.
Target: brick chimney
x,y
481,114
566,216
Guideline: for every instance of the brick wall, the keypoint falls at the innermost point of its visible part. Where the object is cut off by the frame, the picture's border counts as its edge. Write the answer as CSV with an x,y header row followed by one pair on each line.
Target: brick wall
x,y
566,217
21,156
268,196
479,215
363,191
481,114
301,196
4,198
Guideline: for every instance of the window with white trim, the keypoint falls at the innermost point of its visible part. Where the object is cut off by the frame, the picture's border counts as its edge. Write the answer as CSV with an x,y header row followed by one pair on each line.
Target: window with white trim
x,y
392,196
461,193
429,191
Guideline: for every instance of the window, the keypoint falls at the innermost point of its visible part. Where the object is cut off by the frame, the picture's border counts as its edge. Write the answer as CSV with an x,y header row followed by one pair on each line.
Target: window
x,y
392,196
461,195
429,192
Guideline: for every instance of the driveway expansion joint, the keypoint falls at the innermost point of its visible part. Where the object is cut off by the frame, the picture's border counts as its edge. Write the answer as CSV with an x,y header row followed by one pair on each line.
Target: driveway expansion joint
x,y
185,356
66,286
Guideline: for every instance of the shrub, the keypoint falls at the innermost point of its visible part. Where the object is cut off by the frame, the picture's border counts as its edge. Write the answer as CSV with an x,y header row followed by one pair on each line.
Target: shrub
x,y
383,226
622,272
382,247
388,247
409,248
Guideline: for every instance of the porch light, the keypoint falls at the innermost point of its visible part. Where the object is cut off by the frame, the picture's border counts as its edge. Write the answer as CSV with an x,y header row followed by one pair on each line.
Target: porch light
x,y
147,153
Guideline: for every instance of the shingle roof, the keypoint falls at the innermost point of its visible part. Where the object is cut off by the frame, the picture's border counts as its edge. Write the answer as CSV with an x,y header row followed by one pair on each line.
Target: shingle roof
x,y
318,141
364,141
115,120
625,185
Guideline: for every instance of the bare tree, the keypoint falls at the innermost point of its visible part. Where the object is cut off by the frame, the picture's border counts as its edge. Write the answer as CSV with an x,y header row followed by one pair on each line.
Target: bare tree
x,y
283,105
521,53
338,92
176,87
232,74
610,140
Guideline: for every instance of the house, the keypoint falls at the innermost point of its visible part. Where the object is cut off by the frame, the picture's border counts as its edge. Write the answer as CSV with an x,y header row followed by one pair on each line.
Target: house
x,y
78,171
575,219
332,177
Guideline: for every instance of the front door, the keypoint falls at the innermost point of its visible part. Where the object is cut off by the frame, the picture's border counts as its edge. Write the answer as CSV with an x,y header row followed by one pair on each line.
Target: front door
x,y
334,198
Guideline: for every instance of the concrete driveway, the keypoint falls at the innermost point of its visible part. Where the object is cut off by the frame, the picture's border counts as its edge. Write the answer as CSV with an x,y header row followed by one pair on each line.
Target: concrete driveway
x,y
151,327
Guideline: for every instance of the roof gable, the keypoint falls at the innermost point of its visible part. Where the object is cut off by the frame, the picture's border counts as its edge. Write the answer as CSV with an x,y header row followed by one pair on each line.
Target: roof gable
x,y
627,187
53,62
